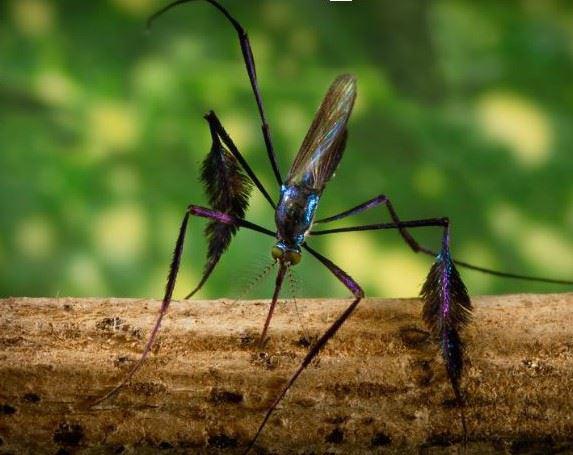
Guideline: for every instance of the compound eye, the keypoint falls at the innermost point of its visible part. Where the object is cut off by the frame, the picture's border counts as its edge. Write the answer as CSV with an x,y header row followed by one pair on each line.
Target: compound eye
x,y
276,252
293,257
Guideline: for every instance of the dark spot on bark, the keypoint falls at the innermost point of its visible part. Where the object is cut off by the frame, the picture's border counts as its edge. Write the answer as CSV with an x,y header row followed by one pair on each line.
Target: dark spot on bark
x,y
109,323
422,372
222,441
413,337
381,439
189,444
267,361
111,428
306,402
68,434
450,403
122,360
303,342
438,440
306,341
117,448
7,410
31,398
11,341
165,445
247,339
62,451
224,396
362,390
336,436
67,307
531,445
1,442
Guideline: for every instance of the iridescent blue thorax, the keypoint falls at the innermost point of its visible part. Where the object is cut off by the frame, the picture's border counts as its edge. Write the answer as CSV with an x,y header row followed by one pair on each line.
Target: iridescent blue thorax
x,y
294,215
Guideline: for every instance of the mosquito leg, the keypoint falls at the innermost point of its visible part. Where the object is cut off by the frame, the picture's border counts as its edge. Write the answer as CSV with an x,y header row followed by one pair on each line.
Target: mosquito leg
x,y
375,202
446,303
251,71
217,128
194,210
218,133
415,246
279,281
427,222
358,293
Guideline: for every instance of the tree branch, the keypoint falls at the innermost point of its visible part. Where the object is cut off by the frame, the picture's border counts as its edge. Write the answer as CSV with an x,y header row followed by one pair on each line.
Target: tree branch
x,y
379,384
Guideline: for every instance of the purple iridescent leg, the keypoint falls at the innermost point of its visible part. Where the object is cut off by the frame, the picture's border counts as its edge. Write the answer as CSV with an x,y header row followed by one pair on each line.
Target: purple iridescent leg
x,y
358,293
194,210
228,190
447,306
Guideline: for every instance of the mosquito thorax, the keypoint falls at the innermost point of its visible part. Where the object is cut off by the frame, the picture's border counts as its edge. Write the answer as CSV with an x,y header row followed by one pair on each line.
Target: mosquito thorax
x,y
294,214
281,252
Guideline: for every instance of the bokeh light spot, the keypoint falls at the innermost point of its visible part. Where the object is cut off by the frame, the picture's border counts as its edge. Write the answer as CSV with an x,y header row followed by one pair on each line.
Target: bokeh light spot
x,y
398,273
355,252
481,254
120,233
85,276
505,220
387,272
153,77
188,50
136,8
429,181
547,249
35,237
123,181
113,127
262,50
167,227
56,88
33,18
241,127
186,282
294,123
517,123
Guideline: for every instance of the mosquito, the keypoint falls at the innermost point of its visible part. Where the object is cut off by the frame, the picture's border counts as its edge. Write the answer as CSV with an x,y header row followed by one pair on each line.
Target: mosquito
x,y
228,180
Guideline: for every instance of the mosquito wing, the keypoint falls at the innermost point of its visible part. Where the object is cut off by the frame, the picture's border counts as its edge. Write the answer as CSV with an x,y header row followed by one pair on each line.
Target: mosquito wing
x,y
324,143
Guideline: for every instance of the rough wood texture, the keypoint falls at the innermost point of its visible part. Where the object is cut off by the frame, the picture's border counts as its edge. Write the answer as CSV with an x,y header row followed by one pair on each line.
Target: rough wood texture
x,y
379,386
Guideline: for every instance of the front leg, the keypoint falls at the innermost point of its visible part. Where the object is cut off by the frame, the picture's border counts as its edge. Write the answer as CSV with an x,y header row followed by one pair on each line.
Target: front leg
x,y
192,210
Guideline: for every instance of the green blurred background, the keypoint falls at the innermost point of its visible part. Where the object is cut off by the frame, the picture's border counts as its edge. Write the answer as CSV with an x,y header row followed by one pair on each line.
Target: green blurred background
x,y
464,109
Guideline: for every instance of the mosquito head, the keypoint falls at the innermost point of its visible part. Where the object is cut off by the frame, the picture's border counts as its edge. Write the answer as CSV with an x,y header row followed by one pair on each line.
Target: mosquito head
x,y
285,254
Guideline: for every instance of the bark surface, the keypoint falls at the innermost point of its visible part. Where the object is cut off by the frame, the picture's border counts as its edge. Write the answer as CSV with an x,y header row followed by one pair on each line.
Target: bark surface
x,y
378,386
